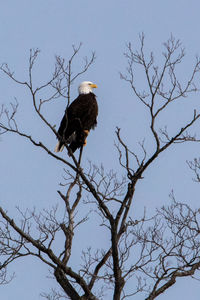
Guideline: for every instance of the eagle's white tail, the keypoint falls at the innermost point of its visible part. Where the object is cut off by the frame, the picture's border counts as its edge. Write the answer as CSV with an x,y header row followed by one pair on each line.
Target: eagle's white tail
x,y
57,148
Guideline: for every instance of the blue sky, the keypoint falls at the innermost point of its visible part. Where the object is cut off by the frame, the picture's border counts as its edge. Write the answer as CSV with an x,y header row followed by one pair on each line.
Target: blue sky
x,y
28,176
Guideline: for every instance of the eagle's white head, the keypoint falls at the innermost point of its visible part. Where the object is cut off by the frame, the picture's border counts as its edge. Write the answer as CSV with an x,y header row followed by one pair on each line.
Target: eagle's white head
x,y
86,87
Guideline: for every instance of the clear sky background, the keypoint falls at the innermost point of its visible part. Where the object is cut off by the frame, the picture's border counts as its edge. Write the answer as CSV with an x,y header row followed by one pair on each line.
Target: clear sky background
x,y
29,178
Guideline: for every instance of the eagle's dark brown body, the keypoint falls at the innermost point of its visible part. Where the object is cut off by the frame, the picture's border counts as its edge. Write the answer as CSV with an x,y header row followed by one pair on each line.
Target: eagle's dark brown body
x,y
79,118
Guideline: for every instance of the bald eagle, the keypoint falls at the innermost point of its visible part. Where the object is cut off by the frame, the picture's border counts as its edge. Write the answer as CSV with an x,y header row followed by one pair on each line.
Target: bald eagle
x,y
80,116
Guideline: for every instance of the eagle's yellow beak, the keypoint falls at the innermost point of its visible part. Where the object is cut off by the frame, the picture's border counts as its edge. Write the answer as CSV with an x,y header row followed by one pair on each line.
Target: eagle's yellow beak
x,y
94,86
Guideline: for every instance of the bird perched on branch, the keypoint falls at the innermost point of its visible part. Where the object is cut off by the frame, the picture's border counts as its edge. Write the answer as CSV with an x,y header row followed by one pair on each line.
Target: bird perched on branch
x,y
80,116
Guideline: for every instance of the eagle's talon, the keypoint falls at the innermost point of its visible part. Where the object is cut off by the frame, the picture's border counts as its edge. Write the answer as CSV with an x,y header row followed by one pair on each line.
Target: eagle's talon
x,y
86,132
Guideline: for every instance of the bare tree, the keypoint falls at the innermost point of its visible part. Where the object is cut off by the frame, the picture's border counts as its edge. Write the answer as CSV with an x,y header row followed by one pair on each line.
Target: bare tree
x,y
151,252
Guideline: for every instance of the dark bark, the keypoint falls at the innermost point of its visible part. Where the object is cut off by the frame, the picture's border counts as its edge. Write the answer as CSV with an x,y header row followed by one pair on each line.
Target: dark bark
x,y
65,284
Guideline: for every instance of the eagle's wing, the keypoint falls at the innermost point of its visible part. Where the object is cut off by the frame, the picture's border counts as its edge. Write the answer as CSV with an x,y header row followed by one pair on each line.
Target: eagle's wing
x,y
80,115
